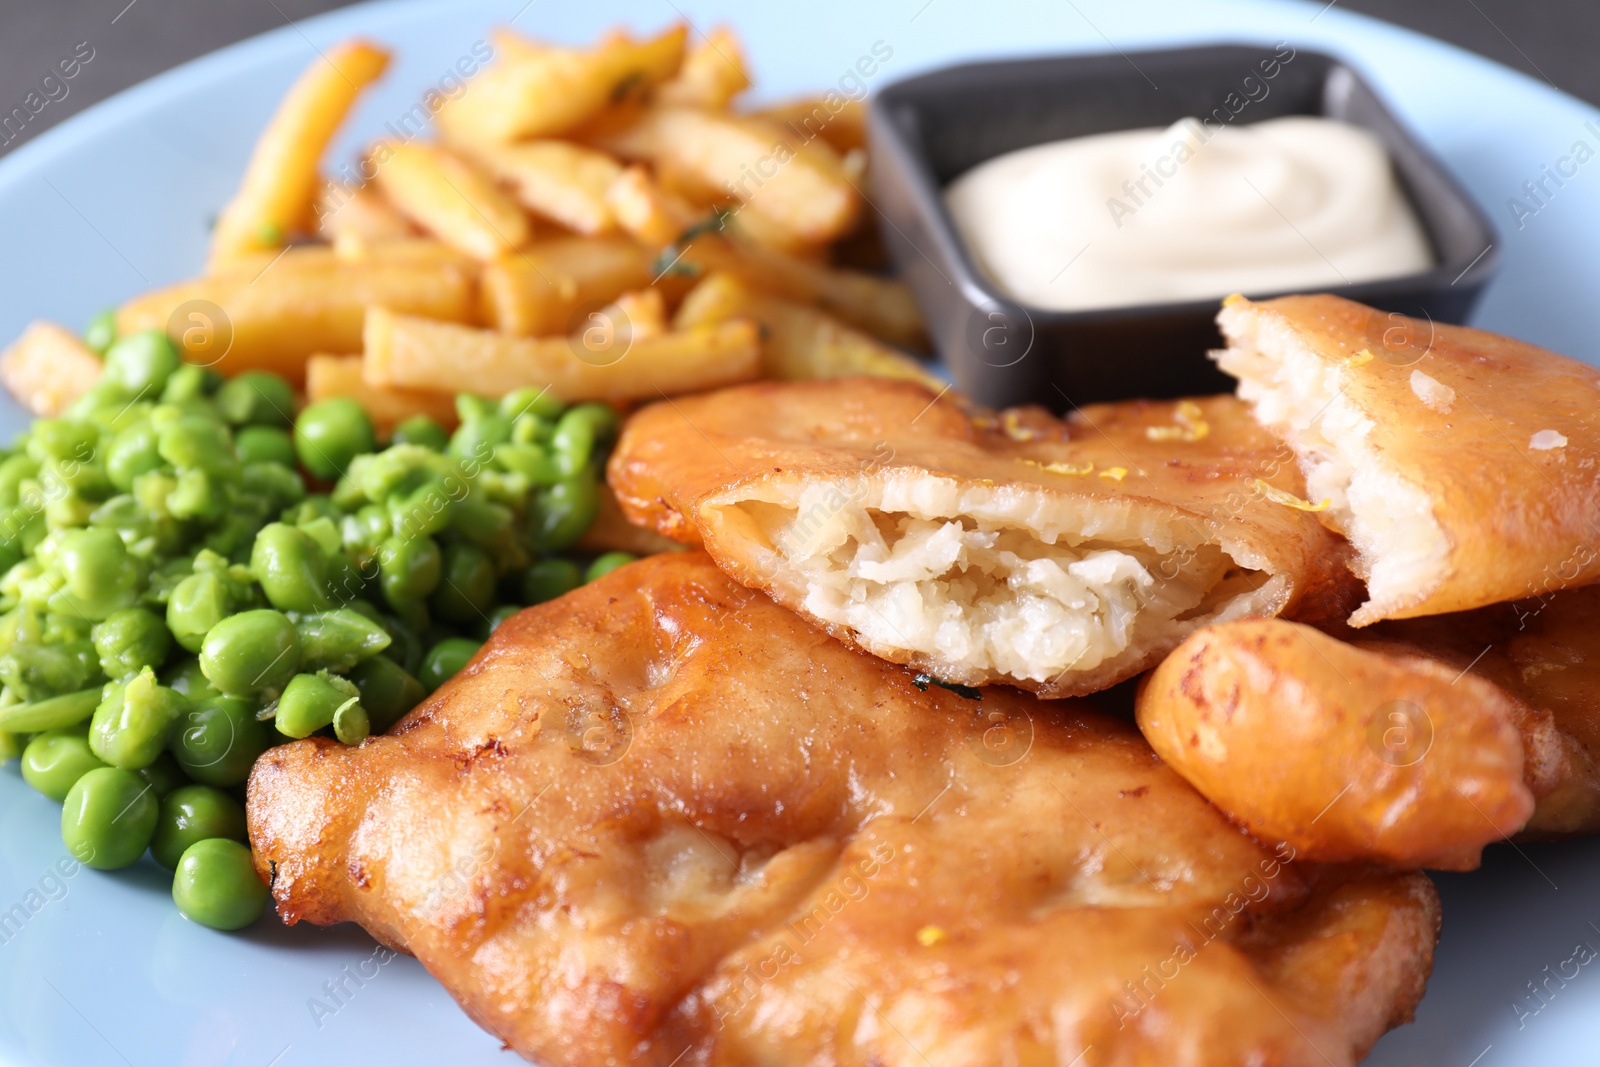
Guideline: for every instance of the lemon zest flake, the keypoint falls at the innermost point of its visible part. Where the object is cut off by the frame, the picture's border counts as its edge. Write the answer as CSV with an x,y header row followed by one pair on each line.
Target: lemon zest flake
x,y
1075,469
1116,474
1191,425
929,936
1014,429
1232,299
1288,499
1361,358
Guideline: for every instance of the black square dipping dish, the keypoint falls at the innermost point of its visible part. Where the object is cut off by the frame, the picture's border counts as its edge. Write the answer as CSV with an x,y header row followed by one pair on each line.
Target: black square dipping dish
x,y
928,130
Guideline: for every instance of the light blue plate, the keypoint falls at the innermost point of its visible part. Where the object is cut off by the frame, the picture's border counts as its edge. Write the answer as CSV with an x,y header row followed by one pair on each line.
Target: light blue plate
x,y
100,969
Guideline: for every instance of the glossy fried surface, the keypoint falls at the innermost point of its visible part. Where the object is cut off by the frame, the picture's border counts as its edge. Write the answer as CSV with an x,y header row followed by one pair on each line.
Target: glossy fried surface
x,y
664,821
1544,654
1414,742
1498,439
1173,480
1347,753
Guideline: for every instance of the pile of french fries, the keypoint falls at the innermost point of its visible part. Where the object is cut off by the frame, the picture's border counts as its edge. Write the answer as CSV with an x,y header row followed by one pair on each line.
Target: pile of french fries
x,y
603,222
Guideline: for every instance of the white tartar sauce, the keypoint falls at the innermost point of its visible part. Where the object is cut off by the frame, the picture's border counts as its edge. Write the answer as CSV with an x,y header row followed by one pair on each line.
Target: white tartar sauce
x,y
1186,213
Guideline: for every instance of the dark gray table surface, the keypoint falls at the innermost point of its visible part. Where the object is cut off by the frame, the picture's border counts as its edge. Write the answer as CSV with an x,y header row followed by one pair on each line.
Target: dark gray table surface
x,y
1550,39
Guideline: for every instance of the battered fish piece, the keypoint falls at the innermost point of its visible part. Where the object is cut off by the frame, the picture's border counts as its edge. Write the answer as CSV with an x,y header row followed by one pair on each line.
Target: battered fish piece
x,y
1464,466
1345,753
663,821
1058,556
1415,744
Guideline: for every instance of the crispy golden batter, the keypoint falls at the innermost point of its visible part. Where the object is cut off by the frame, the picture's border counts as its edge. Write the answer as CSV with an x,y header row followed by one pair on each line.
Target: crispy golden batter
x,y
1061,557
664,821
1464,466
1544,654
1346,753
1415,744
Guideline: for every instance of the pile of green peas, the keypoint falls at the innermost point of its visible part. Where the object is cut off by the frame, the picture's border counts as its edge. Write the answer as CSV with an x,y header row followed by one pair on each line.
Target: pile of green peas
x,y
190,573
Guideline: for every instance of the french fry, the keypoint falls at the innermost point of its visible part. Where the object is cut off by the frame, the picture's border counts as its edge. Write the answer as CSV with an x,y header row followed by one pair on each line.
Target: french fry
x,y
536,292
540,91
842,123
612,532
713,73
445,196
307,302
650,213
275,197
403,351
562,181
47,368
883,307
642,313
330,376
799,185
798,342
359,212
417,251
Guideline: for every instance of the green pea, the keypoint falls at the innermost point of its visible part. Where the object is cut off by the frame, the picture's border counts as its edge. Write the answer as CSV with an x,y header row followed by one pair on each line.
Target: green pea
x,y
423,511
217,741
186,386
498,616
409,568
466,585
101,332
54,761
387,691
338,640
273,484
39,672
131,453
129,640
548,579
312,701
100,575
605,564
256,398
141,363
536,402
532,461
292,569
194,813
480,521
130,727
560,514
421,430
445,660
471,408
108,818
251,653
53,713
350,723
164,775
582,431
477,438
187,678
198,441
216,885
264,444
195,605
331,433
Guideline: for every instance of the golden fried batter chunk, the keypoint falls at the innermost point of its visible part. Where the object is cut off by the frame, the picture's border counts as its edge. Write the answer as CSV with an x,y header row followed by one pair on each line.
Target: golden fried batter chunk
x,y
1464,466
664,821
1416,743
1058,556
1344,752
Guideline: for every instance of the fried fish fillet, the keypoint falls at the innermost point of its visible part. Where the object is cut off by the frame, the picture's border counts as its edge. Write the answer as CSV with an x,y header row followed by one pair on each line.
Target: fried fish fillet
x,y
1058,556
1415,744
663,821
1464,466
